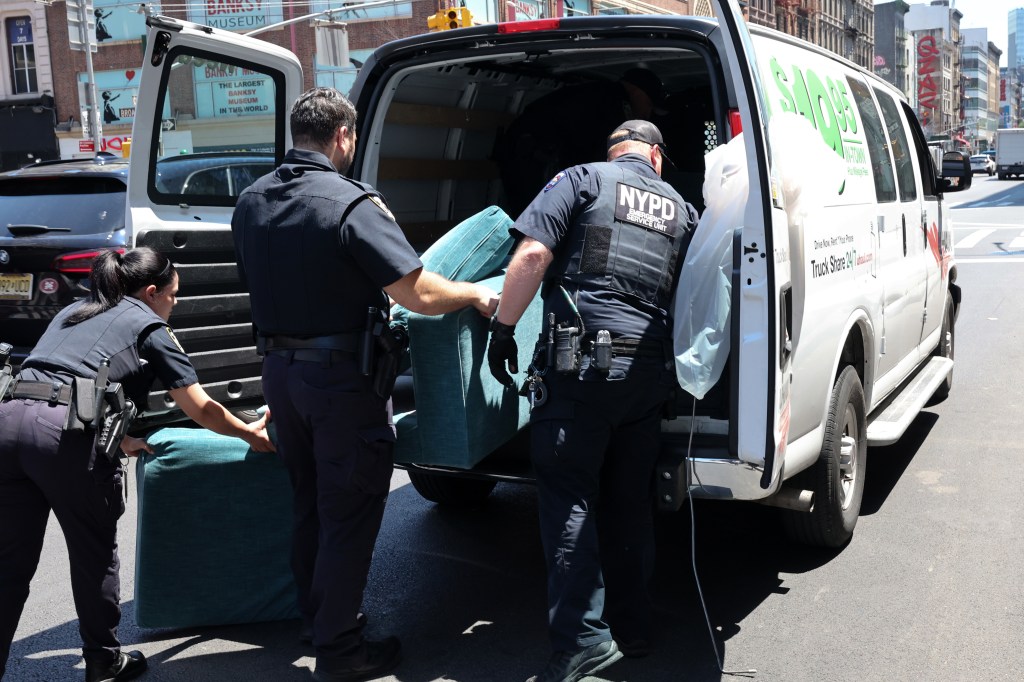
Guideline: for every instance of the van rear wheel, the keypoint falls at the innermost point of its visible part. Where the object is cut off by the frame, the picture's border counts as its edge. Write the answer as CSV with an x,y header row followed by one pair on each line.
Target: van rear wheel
x,y
837,478
451,491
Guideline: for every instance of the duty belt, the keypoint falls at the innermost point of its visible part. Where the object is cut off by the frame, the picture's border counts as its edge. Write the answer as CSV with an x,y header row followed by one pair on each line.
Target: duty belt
x,y
51,392
634,348
331,348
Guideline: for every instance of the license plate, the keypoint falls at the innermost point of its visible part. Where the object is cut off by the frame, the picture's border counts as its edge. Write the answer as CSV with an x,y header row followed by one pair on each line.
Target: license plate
x,y
15,287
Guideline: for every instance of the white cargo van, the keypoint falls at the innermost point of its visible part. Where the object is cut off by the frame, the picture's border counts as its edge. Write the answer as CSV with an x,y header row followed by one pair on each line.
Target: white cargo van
x,y
869,280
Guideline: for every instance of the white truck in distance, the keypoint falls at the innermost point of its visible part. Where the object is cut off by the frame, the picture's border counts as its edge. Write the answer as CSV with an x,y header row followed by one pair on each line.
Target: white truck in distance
x,y
1010,152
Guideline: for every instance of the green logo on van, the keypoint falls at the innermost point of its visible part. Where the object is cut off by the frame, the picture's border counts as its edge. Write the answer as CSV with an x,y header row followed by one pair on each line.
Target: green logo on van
x,y
823,102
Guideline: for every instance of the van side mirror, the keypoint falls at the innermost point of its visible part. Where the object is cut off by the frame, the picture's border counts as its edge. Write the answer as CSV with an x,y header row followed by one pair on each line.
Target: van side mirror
x,y
956,174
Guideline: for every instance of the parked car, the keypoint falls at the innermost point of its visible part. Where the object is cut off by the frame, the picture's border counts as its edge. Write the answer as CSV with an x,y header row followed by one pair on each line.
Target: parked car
x,y
56,216
983,163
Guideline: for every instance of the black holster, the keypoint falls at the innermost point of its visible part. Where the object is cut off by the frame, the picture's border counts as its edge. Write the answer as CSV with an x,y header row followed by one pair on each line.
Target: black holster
x,y
391,345
114,418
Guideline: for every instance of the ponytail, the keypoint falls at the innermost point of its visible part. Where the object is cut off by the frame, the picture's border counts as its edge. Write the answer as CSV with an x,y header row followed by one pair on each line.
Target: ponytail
x,y
115,276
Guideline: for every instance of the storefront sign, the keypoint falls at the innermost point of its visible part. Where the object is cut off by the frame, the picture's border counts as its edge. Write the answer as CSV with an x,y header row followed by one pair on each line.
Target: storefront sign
x,y
524,10
225,91
236,15
117,93
119,20
19,31
927,91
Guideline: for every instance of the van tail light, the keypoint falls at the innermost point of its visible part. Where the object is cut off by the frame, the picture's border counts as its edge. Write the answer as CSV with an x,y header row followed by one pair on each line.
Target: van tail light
x,y
79,262
735,123
525,26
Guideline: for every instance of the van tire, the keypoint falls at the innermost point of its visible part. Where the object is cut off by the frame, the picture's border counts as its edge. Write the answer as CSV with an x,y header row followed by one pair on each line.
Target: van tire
x,y
945,349
837,479
451,491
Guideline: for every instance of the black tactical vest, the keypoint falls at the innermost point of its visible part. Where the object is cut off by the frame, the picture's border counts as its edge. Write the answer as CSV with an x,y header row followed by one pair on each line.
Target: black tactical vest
x,y
79,349
628,239
300,290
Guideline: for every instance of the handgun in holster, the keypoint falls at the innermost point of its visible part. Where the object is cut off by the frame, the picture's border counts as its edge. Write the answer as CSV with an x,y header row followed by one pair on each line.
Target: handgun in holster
x,y
116,416
381,351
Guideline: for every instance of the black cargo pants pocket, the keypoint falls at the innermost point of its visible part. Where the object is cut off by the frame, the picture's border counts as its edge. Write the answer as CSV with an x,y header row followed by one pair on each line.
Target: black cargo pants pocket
x,y
374,460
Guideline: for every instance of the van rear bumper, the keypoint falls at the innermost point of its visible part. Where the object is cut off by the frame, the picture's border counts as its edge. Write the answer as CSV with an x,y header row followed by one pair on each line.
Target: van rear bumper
x,y
711,477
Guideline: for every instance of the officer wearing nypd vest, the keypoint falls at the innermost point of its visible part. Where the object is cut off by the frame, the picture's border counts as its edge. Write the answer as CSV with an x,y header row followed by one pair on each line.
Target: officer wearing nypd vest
x,y
606,241
321,254
95,356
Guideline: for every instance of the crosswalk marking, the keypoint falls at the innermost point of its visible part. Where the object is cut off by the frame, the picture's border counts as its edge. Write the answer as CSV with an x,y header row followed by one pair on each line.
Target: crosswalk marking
x,y
1006,259
972,239
1017,243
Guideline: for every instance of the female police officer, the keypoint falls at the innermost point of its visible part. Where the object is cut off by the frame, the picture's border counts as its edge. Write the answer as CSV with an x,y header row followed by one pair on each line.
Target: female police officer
x,y
46,463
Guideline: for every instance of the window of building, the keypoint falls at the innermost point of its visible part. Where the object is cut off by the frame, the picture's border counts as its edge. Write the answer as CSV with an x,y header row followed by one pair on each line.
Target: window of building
x,y
23,55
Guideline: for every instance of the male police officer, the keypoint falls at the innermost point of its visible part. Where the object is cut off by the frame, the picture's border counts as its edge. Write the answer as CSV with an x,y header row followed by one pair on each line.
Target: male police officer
x,y
318,251
606,240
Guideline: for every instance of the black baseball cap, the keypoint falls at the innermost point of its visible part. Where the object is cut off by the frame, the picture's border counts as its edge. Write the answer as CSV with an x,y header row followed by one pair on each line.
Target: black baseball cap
x,y
640,131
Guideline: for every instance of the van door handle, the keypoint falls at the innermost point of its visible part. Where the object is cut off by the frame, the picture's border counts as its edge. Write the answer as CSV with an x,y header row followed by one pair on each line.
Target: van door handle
x,y
904,234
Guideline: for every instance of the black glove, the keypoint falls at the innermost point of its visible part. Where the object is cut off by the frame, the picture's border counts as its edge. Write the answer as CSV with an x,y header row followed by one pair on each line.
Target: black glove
x,y
501,349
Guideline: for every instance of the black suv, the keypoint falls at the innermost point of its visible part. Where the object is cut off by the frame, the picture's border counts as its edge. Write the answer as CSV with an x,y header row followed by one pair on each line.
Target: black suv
x,y
56,216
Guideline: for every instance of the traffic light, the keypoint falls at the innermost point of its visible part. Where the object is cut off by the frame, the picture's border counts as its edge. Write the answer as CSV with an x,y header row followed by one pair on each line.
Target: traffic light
x,y
453,17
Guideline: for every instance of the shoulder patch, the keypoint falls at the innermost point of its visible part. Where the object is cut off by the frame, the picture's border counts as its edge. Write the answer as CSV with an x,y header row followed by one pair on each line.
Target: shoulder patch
x,y
554,181
382,206
174,338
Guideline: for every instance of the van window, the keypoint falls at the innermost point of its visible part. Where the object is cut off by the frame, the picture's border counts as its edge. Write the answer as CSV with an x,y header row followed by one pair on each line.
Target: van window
x,y
222,127
898,143
878,143
924,158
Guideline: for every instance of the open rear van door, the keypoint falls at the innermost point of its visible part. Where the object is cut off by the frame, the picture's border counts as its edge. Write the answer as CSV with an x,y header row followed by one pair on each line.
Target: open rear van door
x,y
763,293
211,117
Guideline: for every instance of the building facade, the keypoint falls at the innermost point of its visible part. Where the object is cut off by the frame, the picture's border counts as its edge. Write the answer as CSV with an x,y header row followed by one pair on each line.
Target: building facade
x,y
980,65
27,116
1010,98
892,51
1015,38
938,88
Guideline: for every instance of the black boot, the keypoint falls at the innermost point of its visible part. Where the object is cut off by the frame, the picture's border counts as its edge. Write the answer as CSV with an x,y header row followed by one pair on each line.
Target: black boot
x,y
373,660
128,666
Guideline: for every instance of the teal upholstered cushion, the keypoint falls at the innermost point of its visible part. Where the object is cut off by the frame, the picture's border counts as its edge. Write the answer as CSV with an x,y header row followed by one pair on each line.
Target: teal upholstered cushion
x,y
462,412
214,533
472,250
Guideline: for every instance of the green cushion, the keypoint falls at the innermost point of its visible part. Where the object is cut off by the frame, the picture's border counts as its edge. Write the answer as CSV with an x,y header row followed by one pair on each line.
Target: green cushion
x,y
214,533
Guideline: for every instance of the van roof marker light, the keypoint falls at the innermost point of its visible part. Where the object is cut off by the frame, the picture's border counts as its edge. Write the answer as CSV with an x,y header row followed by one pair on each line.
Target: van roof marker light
x,y
525,26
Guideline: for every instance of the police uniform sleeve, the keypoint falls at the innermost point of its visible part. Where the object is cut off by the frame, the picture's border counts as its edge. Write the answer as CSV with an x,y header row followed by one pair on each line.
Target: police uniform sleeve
x,y
167,359
550,215
377,243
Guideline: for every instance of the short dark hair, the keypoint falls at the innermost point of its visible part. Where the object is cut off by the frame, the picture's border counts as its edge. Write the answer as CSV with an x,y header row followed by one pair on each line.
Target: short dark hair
x,y
317,114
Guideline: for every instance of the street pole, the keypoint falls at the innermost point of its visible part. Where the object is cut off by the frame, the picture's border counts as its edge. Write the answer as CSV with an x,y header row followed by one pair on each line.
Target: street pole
x,y
94,117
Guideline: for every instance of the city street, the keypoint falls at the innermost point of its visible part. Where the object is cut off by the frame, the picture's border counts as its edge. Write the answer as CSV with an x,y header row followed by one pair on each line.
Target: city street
x,y
930,588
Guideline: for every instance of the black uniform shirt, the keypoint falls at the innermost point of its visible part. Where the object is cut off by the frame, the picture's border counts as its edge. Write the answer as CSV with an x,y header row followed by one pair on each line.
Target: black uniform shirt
x,y
159,353
549,218
315,248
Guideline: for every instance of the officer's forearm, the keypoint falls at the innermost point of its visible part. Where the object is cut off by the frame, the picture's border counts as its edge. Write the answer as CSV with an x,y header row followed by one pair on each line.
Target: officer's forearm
x,y
525,274
207,412
428,293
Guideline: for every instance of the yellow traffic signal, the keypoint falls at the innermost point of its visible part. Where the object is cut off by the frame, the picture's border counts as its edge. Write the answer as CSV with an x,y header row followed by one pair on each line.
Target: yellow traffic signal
x,y
453,17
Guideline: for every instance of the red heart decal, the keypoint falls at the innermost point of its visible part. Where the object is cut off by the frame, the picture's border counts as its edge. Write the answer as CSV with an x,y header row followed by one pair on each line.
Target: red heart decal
x,y
130,73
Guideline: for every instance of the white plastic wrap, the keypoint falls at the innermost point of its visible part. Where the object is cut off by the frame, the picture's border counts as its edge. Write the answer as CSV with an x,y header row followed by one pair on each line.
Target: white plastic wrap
x,y
701,307
811,174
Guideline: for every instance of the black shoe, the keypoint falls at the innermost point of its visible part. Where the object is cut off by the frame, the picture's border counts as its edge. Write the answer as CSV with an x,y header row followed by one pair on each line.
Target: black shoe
x,y
306,631
375,659
128,666
570,666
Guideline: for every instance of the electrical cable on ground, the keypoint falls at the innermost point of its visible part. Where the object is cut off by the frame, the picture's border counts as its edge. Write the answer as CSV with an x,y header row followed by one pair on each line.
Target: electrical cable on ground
x,y
693,557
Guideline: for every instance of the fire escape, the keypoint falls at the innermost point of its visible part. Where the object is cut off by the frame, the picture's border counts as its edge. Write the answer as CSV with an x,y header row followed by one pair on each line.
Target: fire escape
x,y
799,18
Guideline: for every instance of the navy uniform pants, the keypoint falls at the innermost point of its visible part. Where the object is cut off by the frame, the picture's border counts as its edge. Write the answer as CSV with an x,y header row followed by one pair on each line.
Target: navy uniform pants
x,y
335,438
594,448
42,468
